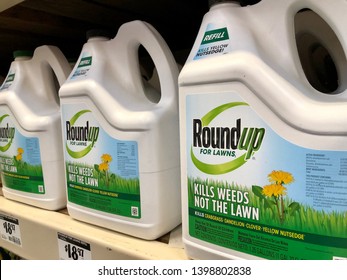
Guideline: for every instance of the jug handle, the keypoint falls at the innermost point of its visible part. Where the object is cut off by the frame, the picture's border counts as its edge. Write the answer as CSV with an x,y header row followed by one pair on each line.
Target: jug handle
x,y
281,31
55,59
128,39
283,12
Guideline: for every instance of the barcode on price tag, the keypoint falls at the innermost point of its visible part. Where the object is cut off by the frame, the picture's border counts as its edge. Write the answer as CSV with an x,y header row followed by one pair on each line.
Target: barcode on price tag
x,y
10,230
71,248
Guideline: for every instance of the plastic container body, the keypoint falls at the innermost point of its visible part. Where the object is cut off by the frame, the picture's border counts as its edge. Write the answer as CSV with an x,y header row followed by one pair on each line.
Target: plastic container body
x,y
31,152
121,135
263,132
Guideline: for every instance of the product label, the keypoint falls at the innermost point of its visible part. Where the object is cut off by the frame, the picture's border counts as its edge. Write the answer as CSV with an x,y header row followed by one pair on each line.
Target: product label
x,y
20,160
8,81
102,172
83,66
252,191
214,42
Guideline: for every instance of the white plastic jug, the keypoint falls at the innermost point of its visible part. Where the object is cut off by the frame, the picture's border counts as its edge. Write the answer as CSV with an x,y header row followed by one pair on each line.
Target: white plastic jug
x,y
121,135
31,152
264,134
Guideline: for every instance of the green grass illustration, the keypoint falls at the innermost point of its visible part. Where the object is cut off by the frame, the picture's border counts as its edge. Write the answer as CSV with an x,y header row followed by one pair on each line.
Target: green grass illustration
x,y
24,168
111,181
30,170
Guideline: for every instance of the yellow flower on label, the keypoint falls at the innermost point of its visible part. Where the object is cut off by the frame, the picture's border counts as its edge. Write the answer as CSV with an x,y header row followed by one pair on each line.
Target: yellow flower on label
x,y
279,177
20,151
106,158
103,166
19,157
274,190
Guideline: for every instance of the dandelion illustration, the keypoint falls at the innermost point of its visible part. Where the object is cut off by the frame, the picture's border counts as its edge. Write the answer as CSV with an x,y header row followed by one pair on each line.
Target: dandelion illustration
x,y
18,158
20,151
104,166
277,191
280,177
106,158
274,190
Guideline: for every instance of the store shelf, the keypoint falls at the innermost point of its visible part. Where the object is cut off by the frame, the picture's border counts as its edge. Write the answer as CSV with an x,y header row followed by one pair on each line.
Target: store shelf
x,y
39,237
5,4
31,23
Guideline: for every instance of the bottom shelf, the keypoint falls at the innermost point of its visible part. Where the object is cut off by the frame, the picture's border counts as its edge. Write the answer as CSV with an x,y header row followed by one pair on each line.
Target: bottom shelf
x,y
37,237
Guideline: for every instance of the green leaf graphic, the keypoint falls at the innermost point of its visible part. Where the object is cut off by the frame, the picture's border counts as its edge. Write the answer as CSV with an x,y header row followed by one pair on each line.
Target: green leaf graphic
x,y
220,109
77,115
293,207
2,117
216,169
79,154
258,191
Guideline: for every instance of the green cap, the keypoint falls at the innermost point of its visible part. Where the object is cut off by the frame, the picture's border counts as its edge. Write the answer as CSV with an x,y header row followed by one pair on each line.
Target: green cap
x,y
22,53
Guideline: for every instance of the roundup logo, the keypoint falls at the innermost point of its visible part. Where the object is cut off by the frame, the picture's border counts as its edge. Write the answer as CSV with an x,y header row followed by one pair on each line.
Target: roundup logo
x,y
6,134
225,141
85,136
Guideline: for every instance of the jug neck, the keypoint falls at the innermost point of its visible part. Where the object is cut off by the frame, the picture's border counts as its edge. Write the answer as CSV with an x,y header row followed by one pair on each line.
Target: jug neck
x,y
97,39
94,35
214,3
